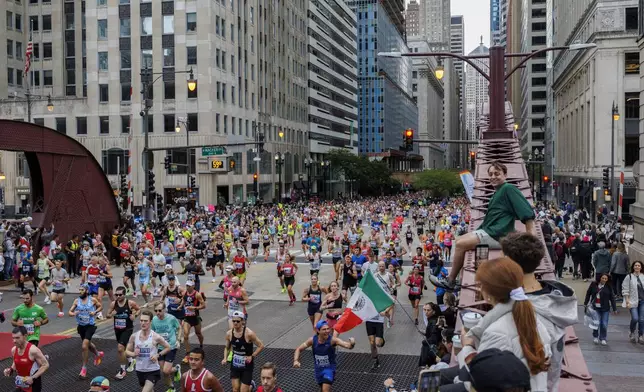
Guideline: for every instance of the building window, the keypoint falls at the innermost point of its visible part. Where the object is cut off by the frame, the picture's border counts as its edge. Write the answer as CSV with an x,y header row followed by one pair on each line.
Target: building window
x,y
81,125
104,125
538,95
114,161
102,61
191,22
19,77
61,124
414,74
217,123
168,24
47,50
146,25
632,63
538,108
33,23
48,77
193,122
538,68
9,48
146,58
103,93
10,76
125,124
46,22
18,23
192,55
539,40
632,106
19,49
168,90
126,92
631,18
538,122
225,124
168,57
125,29
102,29
178,158
9,20
126,59
169,124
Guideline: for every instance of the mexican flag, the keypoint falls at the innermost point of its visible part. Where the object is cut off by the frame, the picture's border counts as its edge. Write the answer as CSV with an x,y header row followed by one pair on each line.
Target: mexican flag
x,y
367,302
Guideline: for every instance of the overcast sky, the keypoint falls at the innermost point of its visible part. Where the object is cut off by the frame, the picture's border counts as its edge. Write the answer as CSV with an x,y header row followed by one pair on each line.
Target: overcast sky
x,y
477,21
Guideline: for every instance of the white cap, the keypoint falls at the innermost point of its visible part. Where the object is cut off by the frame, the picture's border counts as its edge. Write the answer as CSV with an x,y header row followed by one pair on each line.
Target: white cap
x,y
190,283
238,314
168,266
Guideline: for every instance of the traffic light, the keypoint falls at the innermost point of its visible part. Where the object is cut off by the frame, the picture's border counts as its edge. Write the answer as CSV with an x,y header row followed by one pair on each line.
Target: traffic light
x,y
160,203
166,162
408,139
606,178
472,154
193,182
123,185
151,182
546,179
255,179
260,142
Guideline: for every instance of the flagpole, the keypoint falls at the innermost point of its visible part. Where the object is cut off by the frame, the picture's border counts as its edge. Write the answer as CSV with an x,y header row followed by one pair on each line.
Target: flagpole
x,y
28,53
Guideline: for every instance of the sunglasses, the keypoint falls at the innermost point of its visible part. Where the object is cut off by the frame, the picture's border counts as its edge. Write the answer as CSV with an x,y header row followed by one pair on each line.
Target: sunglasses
x,y
237,321
158,310
119,294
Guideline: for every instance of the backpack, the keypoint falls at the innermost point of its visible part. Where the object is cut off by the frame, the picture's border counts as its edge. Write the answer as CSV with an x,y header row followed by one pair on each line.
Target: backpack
x,y
559,250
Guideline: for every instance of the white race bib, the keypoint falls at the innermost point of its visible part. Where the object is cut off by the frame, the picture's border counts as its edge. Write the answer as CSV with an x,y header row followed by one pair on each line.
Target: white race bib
x,y
120,323
239,361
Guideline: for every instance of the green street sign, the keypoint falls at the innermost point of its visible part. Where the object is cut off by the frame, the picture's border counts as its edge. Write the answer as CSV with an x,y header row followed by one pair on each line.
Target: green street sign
x,y
213,150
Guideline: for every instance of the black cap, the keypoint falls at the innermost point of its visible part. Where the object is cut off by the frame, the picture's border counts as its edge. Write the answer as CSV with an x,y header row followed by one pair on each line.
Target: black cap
x,y
485,376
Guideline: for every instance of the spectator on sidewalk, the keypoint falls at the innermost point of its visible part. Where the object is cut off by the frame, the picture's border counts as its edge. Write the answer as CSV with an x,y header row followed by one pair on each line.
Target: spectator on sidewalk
x,y
619,268
633,293
600,296
601,259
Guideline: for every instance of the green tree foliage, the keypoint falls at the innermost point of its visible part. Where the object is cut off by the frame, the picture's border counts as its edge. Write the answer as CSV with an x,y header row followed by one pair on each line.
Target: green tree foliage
x,y
369,178
439,182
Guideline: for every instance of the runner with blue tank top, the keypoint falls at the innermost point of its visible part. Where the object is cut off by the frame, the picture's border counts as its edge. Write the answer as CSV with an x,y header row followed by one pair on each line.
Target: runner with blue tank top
x,y
143,268
84,310
323,346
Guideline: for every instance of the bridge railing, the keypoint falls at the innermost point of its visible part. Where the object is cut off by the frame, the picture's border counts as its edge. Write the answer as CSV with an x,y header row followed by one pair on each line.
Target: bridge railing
x,y
575,375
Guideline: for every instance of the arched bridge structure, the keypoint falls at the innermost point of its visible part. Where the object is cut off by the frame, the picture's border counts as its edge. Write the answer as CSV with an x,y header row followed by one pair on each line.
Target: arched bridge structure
x,y
68,186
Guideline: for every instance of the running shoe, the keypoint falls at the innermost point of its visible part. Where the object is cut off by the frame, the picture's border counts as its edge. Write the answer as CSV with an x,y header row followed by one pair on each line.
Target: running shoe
x,y
83,373
134,294
171,389
128,291
99,358
177,373
283,290
61,314
214,280
444,283
131,366
375,365
121,374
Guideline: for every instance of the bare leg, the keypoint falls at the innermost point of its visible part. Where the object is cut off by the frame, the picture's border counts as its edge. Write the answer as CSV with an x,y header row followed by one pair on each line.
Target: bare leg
x,y
463,244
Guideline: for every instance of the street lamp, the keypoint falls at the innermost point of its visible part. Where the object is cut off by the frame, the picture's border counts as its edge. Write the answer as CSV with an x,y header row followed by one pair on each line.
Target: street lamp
x,y
326,166
496,77
186,125
615,113
439,72
279,161
2,176
280,133
146,85
307,164
50,105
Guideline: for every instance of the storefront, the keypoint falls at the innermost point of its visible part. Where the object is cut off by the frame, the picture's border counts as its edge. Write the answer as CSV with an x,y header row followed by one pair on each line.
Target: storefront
x,y
23,206
179,197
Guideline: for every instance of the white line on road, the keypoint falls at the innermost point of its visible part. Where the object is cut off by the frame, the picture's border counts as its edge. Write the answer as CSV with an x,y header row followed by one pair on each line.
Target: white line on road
x,y
220,320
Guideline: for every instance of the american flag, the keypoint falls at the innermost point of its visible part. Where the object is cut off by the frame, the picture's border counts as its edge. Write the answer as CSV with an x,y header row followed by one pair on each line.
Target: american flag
x,y
28,53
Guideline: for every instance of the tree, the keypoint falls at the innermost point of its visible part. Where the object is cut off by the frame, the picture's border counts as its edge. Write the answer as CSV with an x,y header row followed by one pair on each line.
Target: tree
x,y
369,178
439,182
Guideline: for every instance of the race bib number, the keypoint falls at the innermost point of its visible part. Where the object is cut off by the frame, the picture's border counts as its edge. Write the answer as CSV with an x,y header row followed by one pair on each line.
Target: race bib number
x,y
239,361
21,382
91,279
31,329
26,268
191,277
239,266
315,298
190,312
83,318
415,290
144,352
58,285
322,360
120,323
288,271
102,279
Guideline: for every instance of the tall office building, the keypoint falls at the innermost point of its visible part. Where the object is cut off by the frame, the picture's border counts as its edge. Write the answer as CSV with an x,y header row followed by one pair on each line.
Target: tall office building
x,y
476,91
457,46
90,56
533,78
333,80
499,20
385,104
412,15
435,26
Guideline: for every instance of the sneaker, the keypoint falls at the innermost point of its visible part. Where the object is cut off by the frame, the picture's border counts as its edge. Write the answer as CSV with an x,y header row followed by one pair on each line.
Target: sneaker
x,y
283,290
99,358
632,337
131,366
641,340
100,316
61,314
604,342
388,323
443,283
375,365
177,373
121,374
214,280
83,373
416,322
596,340
134,294
128,291
47,301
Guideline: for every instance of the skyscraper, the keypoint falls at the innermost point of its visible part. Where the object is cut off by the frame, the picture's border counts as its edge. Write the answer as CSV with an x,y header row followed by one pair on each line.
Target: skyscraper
x,y
412,14
476,91
434,22
457,46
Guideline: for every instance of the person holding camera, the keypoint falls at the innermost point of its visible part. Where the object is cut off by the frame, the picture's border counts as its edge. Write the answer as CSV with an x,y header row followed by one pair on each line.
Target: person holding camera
x,y
434,325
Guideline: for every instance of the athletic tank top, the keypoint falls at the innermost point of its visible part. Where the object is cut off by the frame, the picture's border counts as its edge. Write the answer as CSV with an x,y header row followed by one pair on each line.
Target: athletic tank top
x,y
315,299
241,349
240,264
84,309
415,285
146,348
196,384
233,301
25,367
288,269
191,271
323,354
190,300
173,298
122,314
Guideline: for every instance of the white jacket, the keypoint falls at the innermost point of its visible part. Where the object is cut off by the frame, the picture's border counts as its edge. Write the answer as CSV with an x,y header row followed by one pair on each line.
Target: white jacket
x,y
497,330
629,288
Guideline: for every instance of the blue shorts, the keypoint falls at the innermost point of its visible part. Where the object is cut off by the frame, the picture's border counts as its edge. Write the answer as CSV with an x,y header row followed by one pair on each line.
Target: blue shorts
x,y
324,376
93,289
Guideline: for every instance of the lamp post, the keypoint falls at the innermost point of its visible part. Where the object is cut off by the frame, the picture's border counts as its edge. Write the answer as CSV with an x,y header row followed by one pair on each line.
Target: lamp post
x,y
496,77
146,85
535,162
279,162
325,165
307,163
186,124
615,113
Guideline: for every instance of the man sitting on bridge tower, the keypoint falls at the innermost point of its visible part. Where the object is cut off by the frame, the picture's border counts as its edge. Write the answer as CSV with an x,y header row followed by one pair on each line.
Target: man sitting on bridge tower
x,y
505,207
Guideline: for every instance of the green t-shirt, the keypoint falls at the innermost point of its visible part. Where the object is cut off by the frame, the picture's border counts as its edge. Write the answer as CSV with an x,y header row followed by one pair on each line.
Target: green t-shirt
x,y
167,328
28,315
506,206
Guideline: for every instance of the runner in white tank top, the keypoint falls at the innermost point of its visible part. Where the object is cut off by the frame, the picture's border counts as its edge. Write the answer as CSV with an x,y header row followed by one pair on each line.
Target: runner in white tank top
x,y
143,347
